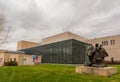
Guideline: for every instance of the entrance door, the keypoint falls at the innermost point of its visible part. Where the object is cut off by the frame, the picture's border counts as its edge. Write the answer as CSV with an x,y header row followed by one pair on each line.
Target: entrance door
x,y
24,61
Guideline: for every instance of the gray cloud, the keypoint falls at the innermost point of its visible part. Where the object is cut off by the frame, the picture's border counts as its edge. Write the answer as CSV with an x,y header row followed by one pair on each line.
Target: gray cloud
x,y
37,19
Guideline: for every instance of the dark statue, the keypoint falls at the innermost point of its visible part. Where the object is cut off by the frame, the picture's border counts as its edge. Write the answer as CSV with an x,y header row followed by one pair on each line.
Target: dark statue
x,y
96,56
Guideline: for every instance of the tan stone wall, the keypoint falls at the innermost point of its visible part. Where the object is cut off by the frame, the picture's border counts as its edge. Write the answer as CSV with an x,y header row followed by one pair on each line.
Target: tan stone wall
x,y
19,58
113,50
77,37
1,59
1,51
28,58
6,57
61,37
26,44
55,38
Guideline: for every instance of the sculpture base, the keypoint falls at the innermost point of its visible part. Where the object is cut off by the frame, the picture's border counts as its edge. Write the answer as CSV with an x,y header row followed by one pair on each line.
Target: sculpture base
x,y
105,71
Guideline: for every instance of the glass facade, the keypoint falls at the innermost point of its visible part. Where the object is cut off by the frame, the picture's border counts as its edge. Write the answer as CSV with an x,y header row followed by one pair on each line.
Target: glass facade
x,y
65,52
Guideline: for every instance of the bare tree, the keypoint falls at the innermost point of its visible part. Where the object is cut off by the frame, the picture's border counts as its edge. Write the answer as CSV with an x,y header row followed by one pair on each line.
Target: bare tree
x,y
4,30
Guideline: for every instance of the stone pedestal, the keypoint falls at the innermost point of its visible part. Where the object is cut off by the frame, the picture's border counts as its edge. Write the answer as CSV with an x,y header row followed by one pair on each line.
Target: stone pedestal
x,y
105,71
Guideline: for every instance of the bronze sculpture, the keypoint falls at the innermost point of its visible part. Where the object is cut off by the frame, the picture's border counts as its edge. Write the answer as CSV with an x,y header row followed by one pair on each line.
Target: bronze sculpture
x,y
96,55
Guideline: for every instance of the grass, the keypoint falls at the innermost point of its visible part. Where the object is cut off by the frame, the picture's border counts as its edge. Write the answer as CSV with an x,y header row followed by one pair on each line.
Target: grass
x,y
50,73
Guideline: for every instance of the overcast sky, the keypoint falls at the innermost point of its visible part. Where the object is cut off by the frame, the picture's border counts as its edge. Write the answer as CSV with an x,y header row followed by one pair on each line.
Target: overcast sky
x,y
36,19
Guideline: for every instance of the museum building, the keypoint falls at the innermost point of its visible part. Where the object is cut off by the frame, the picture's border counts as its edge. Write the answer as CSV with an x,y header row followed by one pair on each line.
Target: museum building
x,y
64,48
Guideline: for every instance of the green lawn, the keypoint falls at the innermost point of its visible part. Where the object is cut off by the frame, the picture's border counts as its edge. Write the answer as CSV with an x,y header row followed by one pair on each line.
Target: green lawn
x,y
50,73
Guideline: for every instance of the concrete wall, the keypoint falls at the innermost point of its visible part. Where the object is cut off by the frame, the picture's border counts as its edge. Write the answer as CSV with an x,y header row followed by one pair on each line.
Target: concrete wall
x,y
113,49
77,37
29,60
61,37
26,44
26,57
1,51
19,58
1,59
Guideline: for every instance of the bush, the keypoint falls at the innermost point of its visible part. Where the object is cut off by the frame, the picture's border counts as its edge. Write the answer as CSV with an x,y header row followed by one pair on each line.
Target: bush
x,y
11,63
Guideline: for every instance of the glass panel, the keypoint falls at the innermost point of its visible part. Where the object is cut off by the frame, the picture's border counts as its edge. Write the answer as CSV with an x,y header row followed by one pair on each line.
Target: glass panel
x,y
66,52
